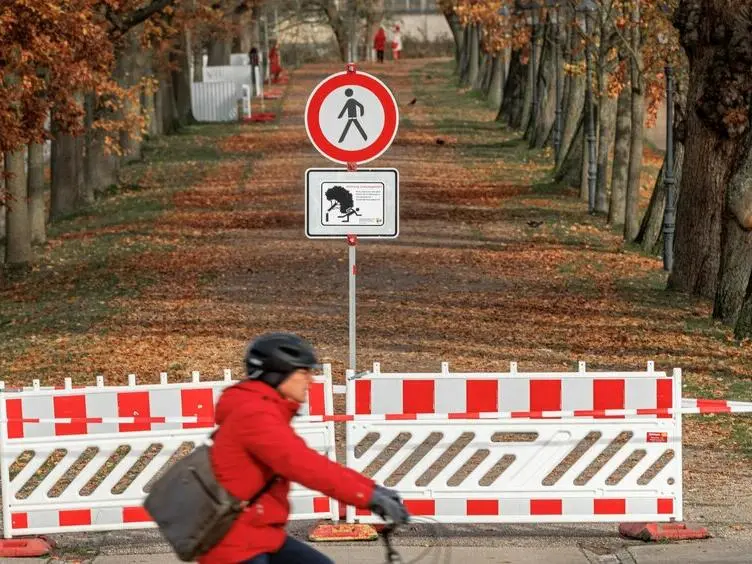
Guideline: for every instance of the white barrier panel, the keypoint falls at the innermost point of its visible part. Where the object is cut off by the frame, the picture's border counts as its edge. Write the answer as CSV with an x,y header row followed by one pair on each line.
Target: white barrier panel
x,y
87,470
235,74
533,467
215,101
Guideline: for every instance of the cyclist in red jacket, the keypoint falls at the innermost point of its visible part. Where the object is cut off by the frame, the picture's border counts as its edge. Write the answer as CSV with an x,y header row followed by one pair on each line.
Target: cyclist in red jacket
x,y
256,442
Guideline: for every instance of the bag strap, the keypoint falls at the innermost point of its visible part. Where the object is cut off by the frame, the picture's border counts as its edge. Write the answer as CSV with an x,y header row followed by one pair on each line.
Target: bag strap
x,y
262,491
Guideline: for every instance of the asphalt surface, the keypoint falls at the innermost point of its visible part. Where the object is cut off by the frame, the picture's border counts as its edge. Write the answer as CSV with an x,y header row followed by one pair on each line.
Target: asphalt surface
x,y
550,544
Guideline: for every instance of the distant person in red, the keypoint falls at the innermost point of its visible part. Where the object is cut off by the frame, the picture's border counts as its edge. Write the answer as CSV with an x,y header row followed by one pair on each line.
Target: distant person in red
x,y
275,68
379,44
396,43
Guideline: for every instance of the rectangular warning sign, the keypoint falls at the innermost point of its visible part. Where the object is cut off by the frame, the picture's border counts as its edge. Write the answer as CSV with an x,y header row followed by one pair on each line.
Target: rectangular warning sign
x,y
364,203
657,437
352,203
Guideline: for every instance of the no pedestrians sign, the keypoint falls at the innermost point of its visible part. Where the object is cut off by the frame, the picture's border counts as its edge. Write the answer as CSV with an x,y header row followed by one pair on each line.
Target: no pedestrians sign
x,y
351,117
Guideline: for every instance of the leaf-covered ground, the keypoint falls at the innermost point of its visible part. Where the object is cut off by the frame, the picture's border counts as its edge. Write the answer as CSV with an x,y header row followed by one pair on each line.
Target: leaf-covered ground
x,y
204,247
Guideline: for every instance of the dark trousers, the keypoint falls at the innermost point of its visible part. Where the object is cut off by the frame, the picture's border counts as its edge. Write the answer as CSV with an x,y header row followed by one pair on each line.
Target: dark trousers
x,y
380,56
292,552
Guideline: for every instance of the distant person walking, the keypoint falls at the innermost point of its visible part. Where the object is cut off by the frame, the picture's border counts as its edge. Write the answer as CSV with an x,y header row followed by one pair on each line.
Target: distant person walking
x,y
275,67
396,43
379,44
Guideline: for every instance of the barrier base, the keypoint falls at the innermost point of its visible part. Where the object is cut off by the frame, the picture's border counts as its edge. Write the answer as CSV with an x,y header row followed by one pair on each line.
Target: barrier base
x,y
38,546
662,531
328,532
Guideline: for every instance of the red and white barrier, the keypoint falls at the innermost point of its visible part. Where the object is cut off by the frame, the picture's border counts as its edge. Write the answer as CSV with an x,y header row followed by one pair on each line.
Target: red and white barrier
x,y
619,431
52,427
547,418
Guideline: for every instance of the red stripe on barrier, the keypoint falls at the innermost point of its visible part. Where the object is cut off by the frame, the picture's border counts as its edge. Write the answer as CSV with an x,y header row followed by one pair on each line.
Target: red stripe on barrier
x,y
362,512
418,396
664,395
545,507
363,397
316,399
73,407
545,395
608,394
198,403
320,504
339,418
665,506
74,517
482,395
526,414
713,406
136,515
134,404
400,416
482,507
610,506
421,506
14,407
19,520
473,415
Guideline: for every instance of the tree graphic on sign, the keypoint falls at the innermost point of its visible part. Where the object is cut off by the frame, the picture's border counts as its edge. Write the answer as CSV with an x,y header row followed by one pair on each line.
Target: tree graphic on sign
x,y
339,195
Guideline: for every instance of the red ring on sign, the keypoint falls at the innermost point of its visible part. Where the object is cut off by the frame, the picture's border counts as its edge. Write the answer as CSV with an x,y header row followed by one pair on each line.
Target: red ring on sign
x,y
331,151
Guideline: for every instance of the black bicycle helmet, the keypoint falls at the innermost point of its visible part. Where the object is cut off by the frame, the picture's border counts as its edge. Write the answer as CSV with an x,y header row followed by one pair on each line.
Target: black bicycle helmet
x,y
273,357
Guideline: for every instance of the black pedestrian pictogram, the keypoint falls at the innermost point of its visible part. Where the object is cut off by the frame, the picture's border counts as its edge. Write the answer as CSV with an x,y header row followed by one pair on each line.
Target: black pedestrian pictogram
x,y
340,195
351,107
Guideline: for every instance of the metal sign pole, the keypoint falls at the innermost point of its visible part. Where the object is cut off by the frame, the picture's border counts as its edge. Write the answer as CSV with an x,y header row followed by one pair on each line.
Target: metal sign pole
x,y
352,241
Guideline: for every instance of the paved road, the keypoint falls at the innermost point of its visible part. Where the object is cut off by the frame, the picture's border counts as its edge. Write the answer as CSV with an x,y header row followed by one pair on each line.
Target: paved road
x,y
713,550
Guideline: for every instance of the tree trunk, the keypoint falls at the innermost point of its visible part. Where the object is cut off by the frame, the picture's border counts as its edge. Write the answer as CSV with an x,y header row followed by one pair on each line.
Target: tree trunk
x,y
495,88
743,328
181,81
530,121
166,101
100,166
220,50
63,163
651,229
198,61
17,228
572,112
720,89
632,218
546,89
37,215
620,169
570,170
473,68
606,126
485,75
735,271
464,66
456,27
514,91
736,248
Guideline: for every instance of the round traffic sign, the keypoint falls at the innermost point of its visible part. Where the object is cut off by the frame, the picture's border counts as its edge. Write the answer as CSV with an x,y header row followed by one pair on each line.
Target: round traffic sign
x,y
351,117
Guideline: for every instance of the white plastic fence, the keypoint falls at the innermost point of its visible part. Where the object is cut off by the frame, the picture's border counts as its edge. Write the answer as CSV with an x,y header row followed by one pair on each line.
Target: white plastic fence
x,y
216,101
558,457
79,459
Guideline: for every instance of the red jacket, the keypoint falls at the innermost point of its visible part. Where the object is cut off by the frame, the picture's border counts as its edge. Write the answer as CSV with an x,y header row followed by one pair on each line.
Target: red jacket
x,y
379,41
255,441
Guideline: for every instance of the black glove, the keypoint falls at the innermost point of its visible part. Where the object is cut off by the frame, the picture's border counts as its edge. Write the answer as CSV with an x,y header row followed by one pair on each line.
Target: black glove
x,y
387,503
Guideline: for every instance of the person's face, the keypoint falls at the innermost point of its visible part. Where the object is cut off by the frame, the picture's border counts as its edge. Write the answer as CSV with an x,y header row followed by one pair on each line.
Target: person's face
x,y
296,385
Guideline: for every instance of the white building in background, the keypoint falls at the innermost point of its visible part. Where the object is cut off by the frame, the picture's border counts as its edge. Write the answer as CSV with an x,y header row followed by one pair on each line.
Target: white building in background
x,y
420,19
